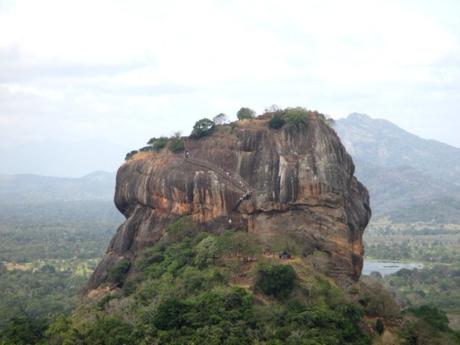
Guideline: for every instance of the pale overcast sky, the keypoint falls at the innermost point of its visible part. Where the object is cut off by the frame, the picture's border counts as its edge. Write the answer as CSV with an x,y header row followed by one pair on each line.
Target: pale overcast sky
x,y
123,71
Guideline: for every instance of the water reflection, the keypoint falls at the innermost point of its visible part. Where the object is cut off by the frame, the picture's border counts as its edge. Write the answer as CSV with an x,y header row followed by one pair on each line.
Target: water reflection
x,y
388,267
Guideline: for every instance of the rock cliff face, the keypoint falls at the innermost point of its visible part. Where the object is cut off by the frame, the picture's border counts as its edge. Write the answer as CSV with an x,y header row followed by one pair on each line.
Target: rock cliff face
x,y
296,182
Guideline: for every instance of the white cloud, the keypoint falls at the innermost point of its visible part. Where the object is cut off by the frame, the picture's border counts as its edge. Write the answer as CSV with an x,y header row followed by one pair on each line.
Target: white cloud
x,y
125,71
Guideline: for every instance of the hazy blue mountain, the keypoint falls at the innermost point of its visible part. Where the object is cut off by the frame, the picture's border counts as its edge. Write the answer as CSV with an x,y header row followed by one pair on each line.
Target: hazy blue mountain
x,y
27,188
409,178
69,159
384,144
408,194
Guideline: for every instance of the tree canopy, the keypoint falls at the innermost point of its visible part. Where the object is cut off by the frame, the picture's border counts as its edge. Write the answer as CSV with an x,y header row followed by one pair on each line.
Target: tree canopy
x,y
202,128
245,113
158,143
176,143
220,119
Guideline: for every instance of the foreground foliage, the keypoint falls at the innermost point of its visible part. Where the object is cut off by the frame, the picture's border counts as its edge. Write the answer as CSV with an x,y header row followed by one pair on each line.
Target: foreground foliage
x,y
189,289
197,287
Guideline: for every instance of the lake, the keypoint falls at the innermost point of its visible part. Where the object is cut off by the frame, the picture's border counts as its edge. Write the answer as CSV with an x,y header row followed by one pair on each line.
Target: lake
x,y
388,267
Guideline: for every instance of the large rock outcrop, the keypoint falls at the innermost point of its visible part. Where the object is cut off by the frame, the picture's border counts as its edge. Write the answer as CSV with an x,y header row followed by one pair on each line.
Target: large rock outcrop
x,y
296,181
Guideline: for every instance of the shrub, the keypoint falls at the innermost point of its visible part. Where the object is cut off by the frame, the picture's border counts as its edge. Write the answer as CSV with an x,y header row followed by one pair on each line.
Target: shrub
x,y
22,331
195,280
146,149
379,326
295,116
277,121
235,243
103,330
100,305
245,113
109,330
276,280
376,300
202,128
286,243
130,155
176,143
325,118
206,251
170,314
220,119
117,273
48,269
181,228
273,109
158,143
432,315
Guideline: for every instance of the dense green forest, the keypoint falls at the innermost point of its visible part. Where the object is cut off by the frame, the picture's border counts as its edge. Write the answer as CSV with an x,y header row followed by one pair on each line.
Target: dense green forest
x,y
65,230
47,252
189,290
438,285
197,287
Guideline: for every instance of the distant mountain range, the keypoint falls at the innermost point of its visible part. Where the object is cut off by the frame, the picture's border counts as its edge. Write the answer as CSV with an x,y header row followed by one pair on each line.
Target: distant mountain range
x,y
31,189
70,159
409,178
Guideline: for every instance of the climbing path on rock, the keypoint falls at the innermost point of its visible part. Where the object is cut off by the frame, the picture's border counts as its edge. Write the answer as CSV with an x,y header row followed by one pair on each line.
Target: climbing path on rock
x,y
235,179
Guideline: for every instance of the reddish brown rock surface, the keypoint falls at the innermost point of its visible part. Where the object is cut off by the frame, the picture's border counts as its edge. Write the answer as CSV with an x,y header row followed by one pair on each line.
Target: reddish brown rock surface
x,y
296,182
